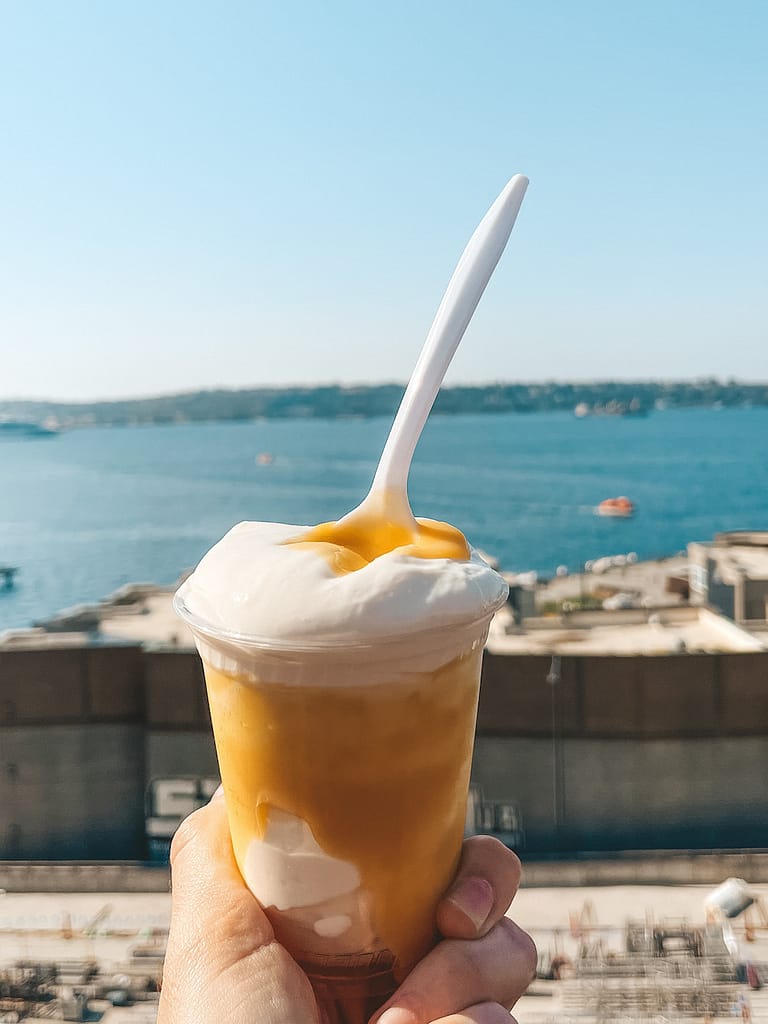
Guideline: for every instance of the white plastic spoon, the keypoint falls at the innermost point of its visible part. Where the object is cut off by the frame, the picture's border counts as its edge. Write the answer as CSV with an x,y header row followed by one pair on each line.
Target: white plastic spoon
x,y
389,489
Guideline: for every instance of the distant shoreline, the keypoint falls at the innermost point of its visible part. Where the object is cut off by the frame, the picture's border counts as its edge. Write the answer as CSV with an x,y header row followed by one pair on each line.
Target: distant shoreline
x,y
601,398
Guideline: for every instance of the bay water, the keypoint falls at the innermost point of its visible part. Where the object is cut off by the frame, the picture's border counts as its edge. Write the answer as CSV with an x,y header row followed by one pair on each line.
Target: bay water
x,y
88,510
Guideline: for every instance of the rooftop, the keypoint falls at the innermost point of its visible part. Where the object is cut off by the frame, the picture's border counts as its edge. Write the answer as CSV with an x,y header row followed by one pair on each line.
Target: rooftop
x,y
137,614
647,583
143,614
151,621
623,633
738,554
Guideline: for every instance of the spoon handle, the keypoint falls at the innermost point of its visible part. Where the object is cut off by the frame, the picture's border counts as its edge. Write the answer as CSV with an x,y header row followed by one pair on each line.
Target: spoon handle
x,y
462,295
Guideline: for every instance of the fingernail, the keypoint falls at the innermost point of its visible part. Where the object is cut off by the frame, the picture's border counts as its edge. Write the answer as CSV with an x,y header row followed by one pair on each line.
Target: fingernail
x,y
474,897
396,1015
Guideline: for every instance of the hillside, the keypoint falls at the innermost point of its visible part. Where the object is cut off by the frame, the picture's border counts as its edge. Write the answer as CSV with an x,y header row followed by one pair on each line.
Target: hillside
x,y
337,401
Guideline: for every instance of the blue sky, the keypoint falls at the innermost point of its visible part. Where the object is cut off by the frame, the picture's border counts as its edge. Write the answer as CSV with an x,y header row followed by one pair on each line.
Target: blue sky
x,y
237,194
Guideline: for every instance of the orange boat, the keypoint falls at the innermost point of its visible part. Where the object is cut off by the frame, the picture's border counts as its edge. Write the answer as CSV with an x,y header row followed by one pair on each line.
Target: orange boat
x,y
621,507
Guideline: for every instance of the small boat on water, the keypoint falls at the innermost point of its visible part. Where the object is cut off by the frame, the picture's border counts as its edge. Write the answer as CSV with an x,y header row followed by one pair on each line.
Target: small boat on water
x,y
7,576
620,507
12,429
265,458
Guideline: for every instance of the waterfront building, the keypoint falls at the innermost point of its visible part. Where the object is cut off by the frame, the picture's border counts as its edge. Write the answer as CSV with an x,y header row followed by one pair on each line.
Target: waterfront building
x,y
638,729
731,573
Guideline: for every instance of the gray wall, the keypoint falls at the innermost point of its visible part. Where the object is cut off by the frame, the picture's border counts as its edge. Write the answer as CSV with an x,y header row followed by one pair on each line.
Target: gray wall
x,y
613,794
755,595
72,792
180,753
661,752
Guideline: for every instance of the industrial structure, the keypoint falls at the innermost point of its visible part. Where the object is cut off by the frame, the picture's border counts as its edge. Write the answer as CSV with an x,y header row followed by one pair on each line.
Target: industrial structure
x,y
731,573
596,732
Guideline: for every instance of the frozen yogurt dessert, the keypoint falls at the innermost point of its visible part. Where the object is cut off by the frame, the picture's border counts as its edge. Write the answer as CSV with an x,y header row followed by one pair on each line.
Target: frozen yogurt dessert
x,y
343,664
292,585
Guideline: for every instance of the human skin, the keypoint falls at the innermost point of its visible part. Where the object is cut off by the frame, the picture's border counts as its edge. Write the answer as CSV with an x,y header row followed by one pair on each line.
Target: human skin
x,y
224,964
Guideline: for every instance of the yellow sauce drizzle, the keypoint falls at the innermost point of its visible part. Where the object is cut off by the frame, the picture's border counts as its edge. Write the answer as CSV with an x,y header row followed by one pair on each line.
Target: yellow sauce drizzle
x,y
375,529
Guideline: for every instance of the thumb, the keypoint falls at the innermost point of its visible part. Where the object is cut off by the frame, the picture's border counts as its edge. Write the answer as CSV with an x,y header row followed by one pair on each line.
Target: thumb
x,y
222,961
210,902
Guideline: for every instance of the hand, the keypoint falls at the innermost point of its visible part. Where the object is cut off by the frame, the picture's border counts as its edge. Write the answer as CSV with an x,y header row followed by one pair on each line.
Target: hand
x,y
224,964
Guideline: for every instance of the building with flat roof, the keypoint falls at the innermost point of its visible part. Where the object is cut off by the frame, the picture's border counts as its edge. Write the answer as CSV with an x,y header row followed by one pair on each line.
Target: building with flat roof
x,y
634,729
731,573
623,633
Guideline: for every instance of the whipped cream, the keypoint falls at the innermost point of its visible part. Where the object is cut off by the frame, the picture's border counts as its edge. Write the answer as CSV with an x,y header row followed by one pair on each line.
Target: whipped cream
x,y
287,868
252,583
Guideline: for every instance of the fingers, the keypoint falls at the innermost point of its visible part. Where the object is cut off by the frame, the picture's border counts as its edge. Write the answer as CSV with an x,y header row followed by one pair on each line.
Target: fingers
x,y
457,974
483,889
483,1013
471,982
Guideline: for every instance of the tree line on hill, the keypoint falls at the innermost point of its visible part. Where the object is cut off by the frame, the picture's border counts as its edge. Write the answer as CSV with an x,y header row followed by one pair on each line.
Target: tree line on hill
x,y
339,401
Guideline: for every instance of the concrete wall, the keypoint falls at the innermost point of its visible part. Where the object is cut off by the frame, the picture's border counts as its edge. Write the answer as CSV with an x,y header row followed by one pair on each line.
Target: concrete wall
x,y
628,753
52,876
683,868
619,752
176,700
80,684
611,794
679,695
72,791
83,731
180,753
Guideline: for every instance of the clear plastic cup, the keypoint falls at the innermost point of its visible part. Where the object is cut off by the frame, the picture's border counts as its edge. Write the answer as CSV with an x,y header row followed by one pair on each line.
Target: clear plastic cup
x,y
346,770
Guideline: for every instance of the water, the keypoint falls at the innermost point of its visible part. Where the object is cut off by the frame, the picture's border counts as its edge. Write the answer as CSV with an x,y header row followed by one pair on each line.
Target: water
x,y
87,511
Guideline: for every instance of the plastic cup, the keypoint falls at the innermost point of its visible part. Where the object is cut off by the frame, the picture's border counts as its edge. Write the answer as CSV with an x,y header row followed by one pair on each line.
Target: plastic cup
x,y
346,770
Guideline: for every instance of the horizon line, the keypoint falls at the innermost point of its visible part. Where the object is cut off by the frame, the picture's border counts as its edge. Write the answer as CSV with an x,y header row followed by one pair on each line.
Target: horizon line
x,y
351,385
